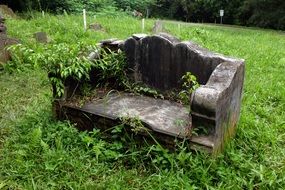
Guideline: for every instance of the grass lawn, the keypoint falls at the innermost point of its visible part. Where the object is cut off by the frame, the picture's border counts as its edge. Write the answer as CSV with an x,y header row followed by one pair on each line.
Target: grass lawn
x,y
38,152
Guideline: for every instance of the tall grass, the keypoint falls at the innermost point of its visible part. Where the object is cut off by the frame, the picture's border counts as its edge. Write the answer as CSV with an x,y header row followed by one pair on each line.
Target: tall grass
x,y
38,152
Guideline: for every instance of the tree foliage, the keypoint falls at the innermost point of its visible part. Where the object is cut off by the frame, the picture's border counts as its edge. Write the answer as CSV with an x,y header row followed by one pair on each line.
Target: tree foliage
x,y
262,13
141,5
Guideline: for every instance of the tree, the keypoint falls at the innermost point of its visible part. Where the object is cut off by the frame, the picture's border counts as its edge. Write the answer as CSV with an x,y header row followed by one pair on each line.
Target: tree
x,y
263,13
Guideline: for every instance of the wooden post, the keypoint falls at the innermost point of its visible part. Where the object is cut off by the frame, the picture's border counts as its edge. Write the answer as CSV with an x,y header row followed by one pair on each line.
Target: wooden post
x,y
84,19
143,25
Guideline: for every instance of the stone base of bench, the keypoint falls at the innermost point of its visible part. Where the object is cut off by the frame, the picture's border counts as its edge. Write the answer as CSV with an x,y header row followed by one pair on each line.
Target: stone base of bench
x,y
165,120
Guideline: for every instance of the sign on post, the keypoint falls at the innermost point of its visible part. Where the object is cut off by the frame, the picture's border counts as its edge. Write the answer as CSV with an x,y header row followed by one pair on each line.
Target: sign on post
x,y
221,15
222,12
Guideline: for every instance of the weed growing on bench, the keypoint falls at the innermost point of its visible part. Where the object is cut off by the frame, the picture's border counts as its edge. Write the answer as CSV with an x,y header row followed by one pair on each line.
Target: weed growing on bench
x,y
110,69
189,85
135,123
140,88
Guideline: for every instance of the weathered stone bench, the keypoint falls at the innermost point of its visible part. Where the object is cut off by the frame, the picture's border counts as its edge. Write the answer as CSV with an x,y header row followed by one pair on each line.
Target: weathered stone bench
x,y
160,61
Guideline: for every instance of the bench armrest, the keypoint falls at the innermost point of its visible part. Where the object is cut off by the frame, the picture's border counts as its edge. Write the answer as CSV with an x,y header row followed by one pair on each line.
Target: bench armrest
x,y
219,100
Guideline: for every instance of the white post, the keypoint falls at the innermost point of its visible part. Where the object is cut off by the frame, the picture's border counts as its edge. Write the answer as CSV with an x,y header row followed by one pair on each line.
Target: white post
x,y
84,19
179,28
143,25
43,13
147,13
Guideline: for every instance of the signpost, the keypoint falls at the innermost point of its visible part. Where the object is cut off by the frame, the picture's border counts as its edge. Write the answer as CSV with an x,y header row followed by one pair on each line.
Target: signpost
x,y
221,15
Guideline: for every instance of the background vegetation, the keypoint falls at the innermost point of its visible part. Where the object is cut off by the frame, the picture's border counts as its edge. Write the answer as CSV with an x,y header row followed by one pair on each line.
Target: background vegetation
x,y
261,13
39,152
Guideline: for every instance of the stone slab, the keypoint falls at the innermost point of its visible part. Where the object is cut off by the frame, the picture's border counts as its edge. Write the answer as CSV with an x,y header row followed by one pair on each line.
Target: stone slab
x,y
158,27
108,41
7,12
159,115
41,37
96,27
6,41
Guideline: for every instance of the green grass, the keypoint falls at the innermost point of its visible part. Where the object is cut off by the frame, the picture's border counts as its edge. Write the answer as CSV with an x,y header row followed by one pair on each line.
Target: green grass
x,y
38,152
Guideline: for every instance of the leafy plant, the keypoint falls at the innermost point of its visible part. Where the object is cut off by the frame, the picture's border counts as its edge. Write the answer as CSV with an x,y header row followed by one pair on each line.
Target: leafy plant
x,y
69,61
138,88
21,58
111,69
135,123
61,61
189,85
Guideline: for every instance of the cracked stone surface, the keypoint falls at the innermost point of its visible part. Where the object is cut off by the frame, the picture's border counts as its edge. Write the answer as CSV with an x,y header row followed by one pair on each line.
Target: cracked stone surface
x,y
159,115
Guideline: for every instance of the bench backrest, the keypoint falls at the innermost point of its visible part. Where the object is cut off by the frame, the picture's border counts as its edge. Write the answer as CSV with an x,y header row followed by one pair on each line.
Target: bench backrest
x,y
161,60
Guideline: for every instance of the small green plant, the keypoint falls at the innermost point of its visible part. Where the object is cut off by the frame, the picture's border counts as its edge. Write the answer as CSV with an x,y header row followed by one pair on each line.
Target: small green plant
x,y
189,85
143,89
134,122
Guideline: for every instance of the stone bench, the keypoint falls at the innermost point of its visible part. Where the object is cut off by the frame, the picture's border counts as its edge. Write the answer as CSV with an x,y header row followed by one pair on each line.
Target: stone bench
x,y
160,61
